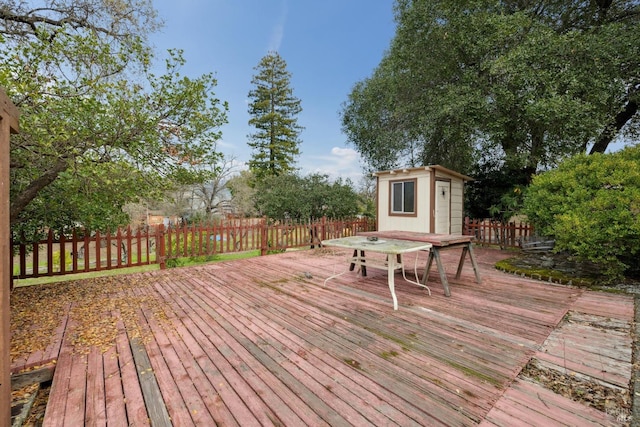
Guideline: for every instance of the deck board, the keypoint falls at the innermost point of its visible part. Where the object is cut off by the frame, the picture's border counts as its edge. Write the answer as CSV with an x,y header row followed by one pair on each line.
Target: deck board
x,y
264,342
113,391
96,414
287,349
538,406
134,402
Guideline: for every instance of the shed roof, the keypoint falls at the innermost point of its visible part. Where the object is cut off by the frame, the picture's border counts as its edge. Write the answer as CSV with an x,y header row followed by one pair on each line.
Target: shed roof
x,y
434,168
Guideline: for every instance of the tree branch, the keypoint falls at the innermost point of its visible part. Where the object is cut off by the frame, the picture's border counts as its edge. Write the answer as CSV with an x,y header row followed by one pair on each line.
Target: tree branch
x,y
610,131
31,22
30,193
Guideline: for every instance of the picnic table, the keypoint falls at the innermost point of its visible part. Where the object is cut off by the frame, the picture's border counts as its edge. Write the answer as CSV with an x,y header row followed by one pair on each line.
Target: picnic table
x,y
439,242
393,248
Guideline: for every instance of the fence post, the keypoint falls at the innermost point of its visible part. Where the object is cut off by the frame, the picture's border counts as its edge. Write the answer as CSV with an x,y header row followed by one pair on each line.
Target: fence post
x,y
324,228
63,253
50,253
74,251
98,240
264,238
161,257
23,258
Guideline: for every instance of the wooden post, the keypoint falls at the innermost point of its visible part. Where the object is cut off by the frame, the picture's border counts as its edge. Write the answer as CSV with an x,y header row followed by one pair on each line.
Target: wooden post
x,y
8,124
264,238
161,256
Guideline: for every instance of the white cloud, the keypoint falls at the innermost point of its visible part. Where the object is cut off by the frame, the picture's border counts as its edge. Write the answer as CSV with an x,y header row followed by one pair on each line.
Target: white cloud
x,y
277,33
340,163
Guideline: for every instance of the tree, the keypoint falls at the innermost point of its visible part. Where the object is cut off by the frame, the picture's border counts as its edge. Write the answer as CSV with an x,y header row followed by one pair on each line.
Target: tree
x,y
301,198
213,192
534,82
273,110
243,191
99,129
590,205
495,190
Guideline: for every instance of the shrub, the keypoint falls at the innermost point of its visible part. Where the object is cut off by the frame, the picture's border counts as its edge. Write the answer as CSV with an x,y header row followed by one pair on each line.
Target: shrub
x,y
591,206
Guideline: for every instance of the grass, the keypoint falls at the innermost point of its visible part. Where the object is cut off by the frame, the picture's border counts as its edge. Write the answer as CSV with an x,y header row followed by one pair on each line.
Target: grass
x,y
181,262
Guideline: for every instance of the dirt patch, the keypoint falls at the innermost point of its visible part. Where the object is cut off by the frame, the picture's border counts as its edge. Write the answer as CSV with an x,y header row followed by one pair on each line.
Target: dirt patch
x,y
564,269
611,400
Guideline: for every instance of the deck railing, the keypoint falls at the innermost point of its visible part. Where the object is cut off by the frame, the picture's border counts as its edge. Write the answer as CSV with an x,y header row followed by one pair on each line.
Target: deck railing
x,y
84,251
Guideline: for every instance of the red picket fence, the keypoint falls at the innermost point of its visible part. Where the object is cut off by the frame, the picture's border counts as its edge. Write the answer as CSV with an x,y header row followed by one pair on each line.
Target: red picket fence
x,y
505,235
84,252
80,252
87,251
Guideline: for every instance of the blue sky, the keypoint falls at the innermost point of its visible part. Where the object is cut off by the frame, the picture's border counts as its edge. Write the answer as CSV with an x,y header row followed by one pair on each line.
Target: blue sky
x,y
328,45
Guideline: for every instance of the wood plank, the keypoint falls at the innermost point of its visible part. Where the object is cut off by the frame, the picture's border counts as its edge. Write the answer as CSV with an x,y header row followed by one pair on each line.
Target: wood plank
x,y
316,395
155,407
134,401
56,405
607,305
114,392
39,375
259,341
174,402
96,411
75,399
46,356
328,346
248,331
440,332
224,358
204,343
544,407
179,362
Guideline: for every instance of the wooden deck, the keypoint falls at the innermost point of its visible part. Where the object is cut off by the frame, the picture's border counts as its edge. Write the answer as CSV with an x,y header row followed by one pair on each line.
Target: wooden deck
x,y
262,342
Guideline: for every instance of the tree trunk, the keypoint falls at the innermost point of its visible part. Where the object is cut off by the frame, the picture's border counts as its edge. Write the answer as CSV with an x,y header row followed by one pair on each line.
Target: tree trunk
x,y
612,129
30,193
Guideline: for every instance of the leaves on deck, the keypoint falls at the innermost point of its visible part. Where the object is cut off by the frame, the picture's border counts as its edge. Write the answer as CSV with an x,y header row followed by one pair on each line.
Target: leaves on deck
x,y
93,306
611,400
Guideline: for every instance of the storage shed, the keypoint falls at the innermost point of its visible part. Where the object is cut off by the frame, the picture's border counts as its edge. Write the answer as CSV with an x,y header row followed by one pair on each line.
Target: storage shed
x,y
428,199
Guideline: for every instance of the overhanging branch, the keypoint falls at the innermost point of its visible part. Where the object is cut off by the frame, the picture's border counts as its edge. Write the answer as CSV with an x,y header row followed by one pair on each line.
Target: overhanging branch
x,y
30,193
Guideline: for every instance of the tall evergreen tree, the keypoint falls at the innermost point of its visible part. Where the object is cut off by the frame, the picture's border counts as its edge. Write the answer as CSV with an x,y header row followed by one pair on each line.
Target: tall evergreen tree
x,y
273,110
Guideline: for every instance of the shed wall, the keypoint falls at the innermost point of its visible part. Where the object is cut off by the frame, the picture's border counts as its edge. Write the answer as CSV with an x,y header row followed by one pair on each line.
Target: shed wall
x,y
422,221
425,183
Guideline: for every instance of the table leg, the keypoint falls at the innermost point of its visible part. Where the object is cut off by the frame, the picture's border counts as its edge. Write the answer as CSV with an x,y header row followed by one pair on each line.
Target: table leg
x,y
468,248
363,268
465,249
476,270
353,264
425,277
435,253
443,275
390,278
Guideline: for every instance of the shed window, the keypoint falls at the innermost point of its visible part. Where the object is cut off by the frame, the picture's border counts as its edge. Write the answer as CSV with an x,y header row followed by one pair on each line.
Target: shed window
x,y
403,197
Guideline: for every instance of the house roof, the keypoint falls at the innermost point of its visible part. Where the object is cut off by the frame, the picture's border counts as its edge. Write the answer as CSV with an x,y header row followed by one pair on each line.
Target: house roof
x,y
435,168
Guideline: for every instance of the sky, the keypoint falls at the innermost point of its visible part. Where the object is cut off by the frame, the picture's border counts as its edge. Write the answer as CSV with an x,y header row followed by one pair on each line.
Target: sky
x,y
328,46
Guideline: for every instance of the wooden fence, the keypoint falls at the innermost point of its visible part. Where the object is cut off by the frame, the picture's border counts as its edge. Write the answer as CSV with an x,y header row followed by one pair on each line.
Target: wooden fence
x,y
505,235
83,251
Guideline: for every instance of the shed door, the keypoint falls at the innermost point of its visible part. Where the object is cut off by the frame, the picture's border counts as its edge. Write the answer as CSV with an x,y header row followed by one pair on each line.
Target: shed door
x,y
443,207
